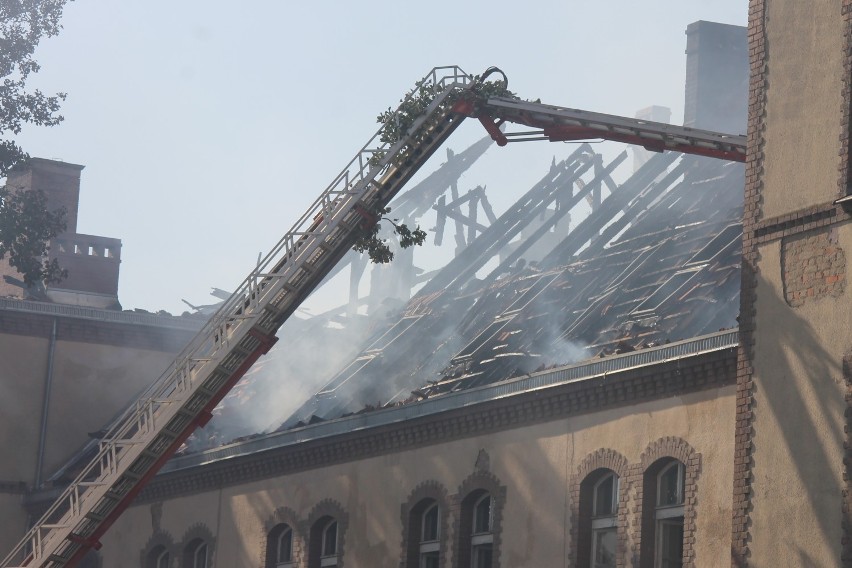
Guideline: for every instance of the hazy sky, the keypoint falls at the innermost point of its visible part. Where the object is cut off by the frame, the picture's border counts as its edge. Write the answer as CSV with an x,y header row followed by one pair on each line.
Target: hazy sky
x,y
207,127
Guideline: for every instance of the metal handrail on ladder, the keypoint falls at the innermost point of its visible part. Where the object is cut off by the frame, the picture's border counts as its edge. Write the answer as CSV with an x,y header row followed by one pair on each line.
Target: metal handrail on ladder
x,y
243,329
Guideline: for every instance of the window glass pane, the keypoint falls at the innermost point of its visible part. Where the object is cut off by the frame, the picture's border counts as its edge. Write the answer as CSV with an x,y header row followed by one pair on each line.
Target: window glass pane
x,y
201,556
163,560
482,515
603,548
430,524
482,556
670,549
329,541
429,560
671,485
285,546
604,503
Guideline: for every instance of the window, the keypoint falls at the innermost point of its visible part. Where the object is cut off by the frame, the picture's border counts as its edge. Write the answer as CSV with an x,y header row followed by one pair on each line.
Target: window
x,y
199,558
423,534
279,547
329,545
324,545
479,522
196,554
158,557
597,533
669,514
284,548
605,521
163,559
482,539
664,498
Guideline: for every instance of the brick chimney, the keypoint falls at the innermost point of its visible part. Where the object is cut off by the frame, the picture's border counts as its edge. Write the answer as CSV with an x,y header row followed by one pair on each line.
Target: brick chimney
x,y
92,261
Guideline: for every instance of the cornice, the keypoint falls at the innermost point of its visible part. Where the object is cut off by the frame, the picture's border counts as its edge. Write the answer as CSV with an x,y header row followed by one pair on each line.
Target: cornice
x,y
674,378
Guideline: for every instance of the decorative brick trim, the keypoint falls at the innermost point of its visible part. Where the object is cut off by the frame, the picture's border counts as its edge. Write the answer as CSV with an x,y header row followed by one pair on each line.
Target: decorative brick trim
x,y
158,538
669,447
198,531
325,508
680,450
801,221
758,84
462,504
601,459
282,516
846,507
427,491
674,378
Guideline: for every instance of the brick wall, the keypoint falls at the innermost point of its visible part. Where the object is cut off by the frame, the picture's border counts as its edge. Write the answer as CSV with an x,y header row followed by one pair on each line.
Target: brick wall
x,y
751,217
813,267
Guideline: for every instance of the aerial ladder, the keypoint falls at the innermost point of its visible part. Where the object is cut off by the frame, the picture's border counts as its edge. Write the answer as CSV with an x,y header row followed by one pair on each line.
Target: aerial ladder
x,y
149,432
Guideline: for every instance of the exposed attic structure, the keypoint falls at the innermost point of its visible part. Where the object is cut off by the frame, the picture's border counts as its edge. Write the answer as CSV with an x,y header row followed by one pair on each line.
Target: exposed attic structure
x,y
656,260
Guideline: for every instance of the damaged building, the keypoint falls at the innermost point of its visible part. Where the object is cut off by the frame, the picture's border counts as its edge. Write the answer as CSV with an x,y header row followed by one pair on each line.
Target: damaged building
x,y
649,372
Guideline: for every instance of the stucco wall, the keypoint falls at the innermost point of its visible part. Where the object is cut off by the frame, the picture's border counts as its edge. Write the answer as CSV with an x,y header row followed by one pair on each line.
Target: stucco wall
x,y
13,519
798,419
534,463
91,383
804,103
24,369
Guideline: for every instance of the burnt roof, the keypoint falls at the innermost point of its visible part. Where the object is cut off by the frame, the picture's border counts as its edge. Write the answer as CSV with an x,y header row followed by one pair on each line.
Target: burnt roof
x,y
657,260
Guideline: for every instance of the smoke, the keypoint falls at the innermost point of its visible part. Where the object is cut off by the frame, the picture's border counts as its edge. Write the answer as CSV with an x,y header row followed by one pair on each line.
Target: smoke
x,y
307,354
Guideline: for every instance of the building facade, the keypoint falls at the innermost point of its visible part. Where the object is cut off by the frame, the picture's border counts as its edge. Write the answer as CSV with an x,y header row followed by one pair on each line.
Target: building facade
x,y
729,448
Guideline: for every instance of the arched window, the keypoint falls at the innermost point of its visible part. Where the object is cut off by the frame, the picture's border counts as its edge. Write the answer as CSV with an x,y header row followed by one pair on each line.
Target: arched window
x,y
605,521
597,529
482,537
196,554
430,536
279,547
424,524
284,548
480,519
284,545
323,546
158,557
663,512
329,544
668,514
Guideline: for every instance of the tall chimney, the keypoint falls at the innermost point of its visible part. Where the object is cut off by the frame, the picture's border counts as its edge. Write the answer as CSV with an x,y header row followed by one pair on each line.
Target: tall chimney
x,y
60,182
717,71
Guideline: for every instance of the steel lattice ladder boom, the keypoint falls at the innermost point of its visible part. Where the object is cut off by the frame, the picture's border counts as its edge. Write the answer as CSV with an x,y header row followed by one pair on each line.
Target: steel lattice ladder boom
x,y
244,327
560,124
242,330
